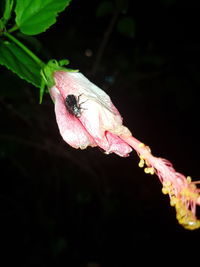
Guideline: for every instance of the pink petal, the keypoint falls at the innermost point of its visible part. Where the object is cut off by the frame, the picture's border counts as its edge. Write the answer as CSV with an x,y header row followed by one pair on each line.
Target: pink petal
x,y
117,145
71,129
99,115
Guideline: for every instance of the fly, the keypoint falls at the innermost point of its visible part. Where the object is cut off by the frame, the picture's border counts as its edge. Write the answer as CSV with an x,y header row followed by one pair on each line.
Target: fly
x,y
73,106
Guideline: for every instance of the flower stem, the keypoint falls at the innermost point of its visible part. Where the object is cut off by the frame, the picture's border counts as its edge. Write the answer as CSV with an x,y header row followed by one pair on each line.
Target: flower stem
x,y
14,28
25,49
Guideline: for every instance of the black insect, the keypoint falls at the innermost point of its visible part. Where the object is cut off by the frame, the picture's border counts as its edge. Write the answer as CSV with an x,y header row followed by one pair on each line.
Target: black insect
x,y
73,106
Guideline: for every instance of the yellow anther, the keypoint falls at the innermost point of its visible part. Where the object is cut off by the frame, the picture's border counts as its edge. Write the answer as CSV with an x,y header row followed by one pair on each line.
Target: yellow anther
x,y
149,170
142,157
173,201
152,171
141,163
192,225
184,214
187,218
165,191
141,145
189,179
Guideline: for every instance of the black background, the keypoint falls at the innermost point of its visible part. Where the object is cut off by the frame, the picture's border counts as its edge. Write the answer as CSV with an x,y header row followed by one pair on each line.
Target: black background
x,y
65,207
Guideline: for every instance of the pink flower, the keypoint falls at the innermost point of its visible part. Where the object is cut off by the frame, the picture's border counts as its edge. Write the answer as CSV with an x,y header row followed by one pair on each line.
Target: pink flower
x,y
100,123
90,119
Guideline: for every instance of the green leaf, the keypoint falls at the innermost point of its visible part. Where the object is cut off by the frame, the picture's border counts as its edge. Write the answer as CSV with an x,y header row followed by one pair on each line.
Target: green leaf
x,y
52,66
42,90
16,60
63,62
104,8
7,13
126,26
36,16
8,9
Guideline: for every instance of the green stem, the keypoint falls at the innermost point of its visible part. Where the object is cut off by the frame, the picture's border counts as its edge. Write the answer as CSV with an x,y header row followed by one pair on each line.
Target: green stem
x,y
7,13
8,10
14,28
28,51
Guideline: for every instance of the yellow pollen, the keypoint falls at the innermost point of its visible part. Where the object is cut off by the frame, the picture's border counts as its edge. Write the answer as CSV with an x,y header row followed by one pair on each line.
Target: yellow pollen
x,y
149,170
173,201
141,145
152,171
182,200
184,215
165,191
141,163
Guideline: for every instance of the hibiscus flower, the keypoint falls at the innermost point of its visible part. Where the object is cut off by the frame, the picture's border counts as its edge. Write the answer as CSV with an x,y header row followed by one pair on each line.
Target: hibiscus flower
x,y
86,117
